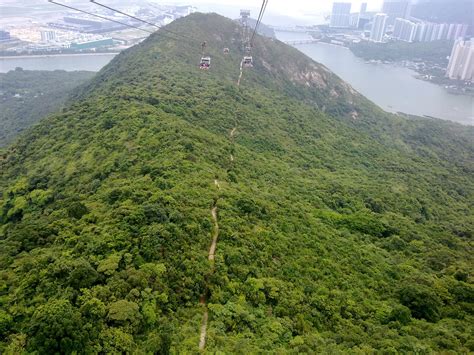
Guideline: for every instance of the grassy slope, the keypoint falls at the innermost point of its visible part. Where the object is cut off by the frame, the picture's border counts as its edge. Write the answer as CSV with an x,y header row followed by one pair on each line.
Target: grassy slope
x,y
327,223
41,93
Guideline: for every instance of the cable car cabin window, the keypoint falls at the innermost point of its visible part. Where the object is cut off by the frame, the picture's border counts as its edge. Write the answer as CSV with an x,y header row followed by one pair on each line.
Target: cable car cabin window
x,y
205,63
248,62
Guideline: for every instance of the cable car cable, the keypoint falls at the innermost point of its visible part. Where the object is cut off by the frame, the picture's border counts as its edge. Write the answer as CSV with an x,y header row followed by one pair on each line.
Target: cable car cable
x,y
141,20
126,24
154,25
102,17
259,20
119,22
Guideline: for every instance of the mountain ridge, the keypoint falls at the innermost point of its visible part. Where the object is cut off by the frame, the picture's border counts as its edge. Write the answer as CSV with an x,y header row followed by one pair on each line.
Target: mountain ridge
x,y
335,233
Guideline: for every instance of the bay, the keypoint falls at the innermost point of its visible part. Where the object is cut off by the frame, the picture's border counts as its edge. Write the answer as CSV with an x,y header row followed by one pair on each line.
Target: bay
x,y
68,62
393,88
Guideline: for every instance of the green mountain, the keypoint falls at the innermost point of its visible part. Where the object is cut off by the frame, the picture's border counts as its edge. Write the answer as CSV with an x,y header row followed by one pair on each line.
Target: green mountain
x,y
337,227
26,96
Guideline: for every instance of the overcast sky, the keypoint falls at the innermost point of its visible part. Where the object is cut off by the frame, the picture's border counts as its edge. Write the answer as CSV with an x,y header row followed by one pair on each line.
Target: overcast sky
x,y
293,8
296,8
279,12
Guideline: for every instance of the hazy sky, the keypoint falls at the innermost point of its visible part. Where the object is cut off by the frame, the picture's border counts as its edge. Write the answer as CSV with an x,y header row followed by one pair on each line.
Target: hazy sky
x,y
279,12
295,6
290,7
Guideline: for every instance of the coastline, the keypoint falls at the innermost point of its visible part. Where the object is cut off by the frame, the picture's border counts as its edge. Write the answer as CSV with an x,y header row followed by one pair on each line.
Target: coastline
x,y
451,87
55,55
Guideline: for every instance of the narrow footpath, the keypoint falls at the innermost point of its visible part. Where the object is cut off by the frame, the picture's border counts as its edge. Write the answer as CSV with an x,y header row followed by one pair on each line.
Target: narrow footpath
x,y
212,249
205,316
211,257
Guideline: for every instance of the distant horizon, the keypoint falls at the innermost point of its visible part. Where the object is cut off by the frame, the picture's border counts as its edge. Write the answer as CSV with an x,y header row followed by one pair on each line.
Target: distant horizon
x,y
299,7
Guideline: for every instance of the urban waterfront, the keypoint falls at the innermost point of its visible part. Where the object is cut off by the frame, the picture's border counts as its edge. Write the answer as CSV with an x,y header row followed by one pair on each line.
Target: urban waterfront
x,y
393,88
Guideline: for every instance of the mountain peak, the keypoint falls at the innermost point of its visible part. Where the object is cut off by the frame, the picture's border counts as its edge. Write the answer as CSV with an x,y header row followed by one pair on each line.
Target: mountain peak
x,y
178,48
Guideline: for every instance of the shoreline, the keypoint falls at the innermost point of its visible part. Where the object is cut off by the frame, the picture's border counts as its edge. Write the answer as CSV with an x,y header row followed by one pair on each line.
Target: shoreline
x,y
55,55
419,75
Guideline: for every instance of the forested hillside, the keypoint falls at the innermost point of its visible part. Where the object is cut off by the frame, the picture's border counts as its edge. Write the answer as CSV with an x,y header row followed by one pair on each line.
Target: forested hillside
x,y
26,96
338,227
436,52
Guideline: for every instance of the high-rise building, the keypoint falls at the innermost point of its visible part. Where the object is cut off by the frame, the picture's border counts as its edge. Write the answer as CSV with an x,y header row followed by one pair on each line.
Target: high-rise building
x,y
428,31
460,31
4,35
404,30
397,27
443,31
48,35
434,34
341,13
364,17
363,22
395,9
379,26
354,20
461,61
451,30
420,31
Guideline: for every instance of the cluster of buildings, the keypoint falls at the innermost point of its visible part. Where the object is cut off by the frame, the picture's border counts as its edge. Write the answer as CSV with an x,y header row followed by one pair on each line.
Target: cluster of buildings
x,y
421,31
38,38
74,32
395,22
4,36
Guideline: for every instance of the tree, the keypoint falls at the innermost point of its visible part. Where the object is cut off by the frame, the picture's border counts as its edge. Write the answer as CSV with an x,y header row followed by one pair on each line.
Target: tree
x,y
422,302
124,312
57,328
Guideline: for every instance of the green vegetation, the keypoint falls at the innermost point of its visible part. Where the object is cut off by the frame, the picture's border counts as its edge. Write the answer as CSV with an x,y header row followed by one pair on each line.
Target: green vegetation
x,y
341,228
435,52
27,96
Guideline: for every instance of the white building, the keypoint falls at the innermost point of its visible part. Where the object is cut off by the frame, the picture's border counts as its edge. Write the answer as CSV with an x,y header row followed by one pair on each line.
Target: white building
x,y
420,31
460,31
461,61
443,31
428,31
378,27
404,30
354,20
340,16
395,9
48,36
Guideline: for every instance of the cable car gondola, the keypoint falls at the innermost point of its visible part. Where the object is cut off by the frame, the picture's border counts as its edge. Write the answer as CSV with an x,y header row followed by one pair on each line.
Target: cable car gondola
x,y
247,62
205,60
205,63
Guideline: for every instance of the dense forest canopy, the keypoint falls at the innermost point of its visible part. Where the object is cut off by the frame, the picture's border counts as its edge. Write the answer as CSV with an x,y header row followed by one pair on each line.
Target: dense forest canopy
x,y
26,96
341,228
436,52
